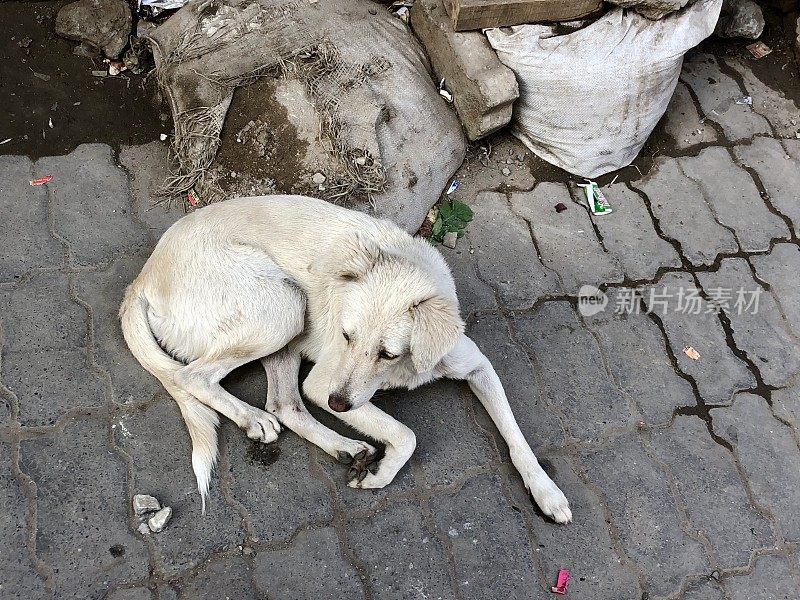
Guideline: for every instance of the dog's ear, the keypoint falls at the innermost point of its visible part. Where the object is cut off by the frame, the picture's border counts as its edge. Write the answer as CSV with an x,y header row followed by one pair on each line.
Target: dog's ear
x,y
354,257
437,327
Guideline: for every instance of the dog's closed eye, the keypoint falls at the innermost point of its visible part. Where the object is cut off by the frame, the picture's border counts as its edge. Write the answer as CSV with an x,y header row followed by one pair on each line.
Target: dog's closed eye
x,y
384,355
346,336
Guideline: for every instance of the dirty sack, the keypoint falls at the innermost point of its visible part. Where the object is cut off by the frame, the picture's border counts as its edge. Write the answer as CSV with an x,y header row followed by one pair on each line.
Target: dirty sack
x,y
366,103
590,99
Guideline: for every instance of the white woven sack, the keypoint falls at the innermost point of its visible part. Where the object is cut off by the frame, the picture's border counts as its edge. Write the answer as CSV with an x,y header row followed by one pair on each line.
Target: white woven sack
x,y
589,100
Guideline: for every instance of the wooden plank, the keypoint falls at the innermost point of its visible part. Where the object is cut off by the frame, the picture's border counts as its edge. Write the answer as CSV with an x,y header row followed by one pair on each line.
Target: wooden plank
x,y
479,14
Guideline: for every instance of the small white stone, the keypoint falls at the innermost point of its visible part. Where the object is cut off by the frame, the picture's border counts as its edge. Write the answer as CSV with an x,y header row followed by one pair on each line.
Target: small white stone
x,y
318,178
142,504
159,520
144,529
361,160
163,137
450,239
506,171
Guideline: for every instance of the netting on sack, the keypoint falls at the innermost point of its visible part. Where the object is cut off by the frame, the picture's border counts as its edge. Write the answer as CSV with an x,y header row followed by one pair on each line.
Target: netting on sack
x,y
379,114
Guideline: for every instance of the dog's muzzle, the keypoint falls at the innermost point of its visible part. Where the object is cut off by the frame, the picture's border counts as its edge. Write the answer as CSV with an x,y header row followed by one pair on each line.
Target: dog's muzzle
x,y
339,403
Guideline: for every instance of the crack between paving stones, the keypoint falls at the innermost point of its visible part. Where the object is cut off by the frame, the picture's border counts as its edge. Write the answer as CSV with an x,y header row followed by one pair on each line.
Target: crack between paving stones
x,y
728,70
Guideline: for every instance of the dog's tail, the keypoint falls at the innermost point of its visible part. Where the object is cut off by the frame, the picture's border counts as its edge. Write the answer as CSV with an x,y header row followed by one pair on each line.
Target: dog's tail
x,y
201,421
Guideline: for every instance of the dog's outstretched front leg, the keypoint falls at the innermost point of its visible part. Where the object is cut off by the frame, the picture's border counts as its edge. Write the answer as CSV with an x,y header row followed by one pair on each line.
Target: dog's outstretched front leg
x,y
467,362
370,420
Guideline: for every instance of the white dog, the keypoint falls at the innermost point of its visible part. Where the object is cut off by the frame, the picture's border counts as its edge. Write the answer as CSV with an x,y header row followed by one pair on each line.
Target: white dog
x,y
278,278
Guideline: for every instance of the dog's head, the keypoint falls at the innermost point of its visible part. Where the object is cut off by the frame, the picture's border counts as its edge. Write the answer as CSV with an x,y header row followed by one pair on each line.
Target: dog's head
x,y
394,315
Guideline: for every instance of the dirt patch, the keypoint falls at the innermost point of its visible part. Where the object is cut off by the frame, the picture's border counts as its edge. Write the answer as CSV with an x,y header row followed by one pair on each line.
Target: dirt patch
x,y
263,454
42,80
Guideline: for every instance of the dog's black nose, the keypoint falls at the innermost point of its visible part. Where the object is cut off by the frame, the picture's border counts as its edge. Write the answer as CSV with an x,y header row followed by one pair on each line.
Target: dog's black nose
x,y
339,403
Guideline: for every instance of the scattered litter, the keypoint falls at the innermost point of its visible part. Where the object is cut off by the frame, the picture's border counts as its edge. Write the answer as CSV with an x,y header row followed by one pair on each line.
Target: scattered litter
x,y
42,180
50,123
143,504
691,352
153,8
759,49
444,93
764,196
560,207
560,587
402,14
158,521
450,239
163,137
41,76
100,73
192,197
453,187
597,202
5,141
115,67
318,178
748,100
506,171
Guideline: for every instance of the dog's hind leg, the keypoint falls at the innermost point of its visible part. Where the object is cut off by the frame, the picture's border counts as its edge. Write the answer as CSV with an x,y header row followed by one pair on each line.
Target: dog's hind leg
x,y
284,401
467,362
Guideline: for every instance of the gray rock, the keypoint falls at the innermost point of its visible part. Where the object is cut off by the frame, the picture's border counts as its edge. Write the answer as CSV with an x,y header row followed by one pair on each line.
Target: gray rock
x,y
158,521
740,19
450,239
318,178
142,504
652,9
105,24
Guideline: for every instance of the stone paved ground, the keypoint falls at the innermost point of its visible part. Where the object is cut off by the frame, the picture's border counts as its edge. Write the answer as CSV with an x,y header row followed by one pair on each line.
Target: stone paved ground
x,y
684,475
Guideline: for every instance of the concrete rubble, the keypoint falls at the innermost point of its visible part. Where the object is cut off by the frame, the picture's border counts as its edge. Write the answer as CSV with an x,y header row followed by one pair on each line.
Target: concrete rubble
x,y
104,24
740,19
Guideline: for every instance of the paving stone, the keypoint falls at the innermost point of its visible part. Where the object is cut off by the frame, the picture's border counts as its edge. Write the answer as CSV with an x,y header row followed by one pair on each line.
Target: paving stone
x,y
779,269
770,579
688,322
82,511
90,193
147,167
770,103
18,578
473,294
566,240
487,538
419,571
482,169
682,121
645,514
584,545
516,272
712,492
629,236
768,454
103,291
717,93
483,88
635,351
44,350
26,242
264,476
538,422
779,175
222,579
758,329
786,404
677,203
574,381
704,590
156,440
447,443
734,199
139,593
311,567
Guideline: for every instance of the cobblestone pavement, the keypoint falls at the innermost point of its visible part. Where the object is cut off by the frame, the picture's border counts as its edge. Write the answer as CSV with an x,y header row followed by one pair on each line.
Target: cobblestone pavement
x,y
684,475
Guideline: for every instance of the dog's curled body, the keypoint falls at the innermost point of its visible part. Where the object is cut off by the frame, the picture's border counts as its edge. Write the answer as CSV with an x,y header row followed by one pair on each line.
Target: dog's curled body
x,y
278,278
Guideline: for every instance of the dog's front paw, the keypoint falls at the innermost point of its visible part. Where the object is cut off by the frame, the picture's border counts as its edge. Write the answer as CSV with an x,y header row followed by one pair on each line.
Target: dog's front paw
x,y
551,501
262,427
367,480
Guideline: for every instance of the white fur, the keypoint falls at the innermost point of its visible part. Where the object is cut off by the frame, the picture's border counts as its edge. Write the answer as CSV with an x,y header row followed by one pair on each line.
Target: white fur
x,y
278,278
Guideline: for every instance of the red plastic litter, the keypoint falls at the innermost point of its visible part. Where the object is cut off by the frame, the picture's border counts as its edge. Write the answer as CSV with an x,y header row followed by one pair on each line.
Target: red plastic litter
x,y
560,587
41,180
560,207
191,198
